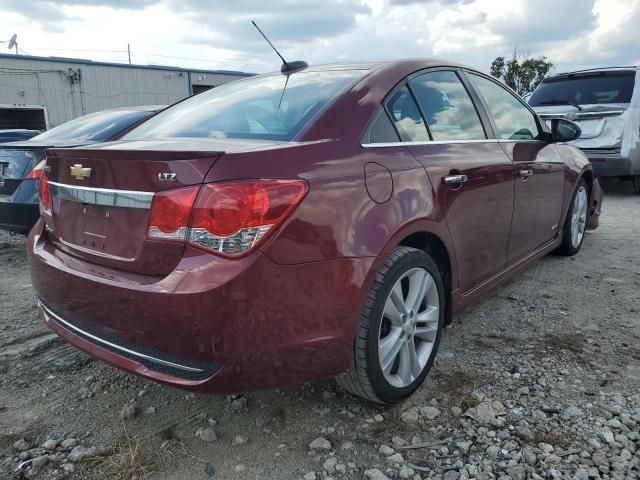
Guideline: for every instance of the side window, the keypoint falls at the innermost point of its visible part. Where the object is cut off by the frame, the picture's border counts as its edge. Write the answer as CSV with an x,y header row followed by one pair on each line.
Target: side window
x,y
447,107
380,129
513,120
406,116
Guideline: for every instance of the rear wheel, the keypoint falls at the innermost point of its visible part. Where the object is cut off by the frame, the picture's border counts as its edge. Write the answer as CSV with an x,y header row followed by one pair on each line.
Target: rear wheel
x,y
576,221
400,328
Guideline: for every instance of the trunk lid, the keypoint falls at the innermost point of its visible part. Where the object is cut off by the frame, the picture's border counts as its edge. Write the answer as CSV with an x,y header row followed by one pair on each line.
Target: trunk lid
x,y
602,125
102,198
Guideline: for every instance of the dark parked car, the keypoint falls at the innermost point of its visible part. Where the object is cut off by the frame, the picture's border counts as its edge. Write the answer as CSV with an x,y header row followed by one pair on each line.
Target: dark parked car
x,y
14,135
288,227
21,163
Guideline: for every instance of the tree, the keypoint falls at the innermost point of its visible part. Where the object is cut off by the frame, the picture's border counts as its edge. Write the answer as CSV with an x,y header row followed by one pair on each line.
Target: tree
x,y
521,72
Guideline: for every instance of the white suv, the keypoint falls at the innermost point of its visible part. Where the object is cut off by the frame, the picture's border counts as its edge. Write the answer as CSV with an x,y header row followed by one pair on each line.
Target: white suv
x,y
605,102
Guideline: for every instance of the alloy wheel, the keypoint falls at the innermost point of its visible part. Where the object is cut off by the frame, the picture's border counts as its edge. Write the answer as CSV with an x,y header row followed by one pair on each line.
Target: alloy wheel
x,y
579,216
409,327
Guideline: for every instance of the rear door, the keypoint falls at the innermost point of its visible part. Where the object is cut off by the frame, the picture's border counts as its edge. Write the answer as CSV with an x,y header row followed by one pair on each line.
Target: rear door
x,y
470,173
539,170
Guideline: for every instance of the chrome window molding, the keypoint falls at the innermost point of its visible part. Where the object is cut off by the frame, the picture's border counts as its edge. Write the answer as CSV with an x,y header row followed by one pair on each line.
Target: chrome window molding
x,y
102,341
444,142
101,196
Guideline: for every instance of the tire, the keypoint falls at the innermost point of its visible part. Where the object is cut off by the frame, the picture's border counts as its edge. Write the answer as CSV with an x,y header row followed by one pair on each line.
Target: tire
x,y
636,183
384,328
576,219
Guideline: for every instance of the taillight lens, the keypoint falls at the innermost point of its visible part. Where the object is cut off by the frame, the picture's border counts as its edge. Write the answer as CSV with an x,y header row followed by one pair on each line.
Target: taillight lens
x,y
170,212
228,219
232,218
44,194
36,172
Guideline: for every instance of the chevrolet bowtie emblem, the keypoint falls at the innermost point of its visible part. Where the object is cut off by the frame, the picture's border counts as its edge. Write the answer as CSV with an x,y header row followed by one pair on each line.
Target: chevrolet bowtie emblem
x,y
80,172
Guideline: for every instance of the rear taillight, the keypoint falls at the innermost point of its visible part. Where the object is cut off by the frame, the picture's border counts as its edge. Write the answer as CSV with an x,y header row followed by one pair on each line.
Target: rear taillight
x,y
228,219
44,194
36,172
232,218
170,212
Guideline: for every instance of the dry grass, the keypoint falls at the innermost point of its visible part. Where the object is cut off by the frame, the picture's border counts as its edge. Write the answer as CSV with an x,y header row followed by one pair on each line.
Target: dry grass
x,y
127,461
457,382
570,342
467,402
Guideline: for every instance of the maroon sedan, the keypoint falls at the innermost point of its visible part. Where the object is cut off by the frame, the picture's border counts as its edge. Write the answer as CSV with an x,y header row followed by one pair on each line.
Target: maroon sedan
x,y
292,226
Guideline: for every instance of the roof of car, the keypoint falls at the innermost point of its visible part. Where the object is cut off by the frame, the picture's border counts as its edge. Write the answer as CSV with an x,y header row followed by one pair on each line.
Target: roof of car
x,y
382,64
630,68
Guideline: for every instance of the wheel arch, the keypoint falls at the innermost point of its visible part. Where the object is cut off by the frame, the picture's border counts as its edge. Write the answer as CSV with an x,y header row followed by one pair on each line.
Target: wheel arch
x,y
437,250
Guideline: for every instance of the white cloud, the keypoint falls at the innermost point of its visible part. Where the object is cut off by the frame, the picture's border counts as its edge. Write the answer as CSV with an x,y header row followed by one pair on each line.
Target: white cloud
x,y
216,34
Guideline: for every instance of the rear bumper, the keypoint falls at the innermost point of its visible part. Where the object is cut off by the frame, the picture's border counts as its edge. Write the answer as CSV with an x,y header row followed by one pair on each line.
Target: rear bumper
x,y
243,324
18,217
612,165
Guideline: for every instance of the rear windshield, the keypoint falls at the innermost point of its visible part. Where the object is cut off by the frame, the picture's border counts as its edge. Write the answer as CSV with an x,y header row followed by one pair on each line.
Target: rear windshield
x,y
263,107
585,89
95,127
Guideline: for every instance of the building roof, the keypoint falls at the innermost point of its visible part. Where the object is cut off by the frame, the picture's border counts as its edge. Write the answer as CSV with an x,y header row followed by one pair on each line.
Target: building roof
x,y
80,61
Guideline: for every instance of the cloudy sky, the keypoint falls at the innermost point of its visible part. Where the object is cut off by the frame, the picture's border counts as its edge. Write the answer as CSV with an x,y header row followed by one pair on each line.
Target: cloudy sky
x,y
218,34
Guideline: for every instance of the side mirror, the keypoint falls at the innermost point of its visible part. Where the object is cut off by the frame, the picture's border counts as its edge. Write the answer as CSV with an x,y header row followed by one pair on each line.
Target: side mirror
x,y
563,130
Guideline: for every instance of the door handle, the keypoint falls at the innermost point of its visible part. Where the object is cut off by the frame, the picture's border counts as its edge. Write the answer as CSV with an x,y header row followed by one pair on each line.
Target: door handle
x,y
455,179
524,174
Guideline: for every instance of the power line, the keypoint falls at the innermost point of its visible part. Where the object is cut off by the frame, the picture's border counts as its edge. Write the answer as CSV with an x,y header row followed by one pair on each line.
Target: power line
x,y
231,62
76,50
150,54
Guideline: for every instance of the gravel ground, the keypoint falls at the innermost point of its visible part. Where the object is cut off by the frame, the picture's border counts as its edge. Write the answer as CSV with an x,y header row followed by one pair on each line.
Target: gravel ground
x,y
540,380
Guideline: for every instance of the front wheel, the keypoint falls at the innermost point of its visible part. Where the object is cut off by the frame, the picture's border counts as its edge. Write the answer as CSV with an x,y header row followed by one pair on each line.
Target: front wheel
x,y
400,329
576,221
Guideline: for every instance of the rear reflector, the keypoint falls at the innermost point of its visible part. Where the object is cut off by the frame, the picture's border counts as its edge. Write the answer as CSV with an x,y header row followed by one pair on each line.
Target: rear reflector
x,y
44,195
228,219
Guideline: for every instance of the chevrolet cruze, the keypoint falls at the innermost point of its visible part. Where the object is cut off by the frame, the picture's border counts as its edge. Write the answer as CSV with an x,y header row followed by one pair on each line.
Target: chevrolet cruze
x,y
323,222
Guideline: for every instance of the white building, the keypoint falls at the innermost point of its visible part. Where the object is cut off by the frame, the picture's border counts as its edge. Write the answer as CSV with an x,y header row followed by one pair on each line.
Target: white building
x,y
48,91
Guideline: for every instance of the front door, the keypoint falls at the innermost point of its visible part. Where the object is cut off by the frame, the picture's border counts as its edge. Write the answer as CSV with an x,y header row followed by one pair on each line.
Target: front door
x,y
539,193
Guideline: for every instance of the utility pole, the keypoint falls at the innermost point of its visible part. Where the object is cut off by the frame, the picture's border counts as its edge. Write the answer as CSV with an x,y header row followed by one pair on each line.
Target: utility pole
x,y
129,51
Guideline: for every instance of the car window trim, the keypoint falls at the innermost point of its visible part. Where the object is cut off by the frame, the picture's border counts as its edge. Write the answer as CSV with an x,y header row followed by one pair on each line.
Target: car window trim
x,y
397,88
482,114
507,89
366,135
415,100
455,72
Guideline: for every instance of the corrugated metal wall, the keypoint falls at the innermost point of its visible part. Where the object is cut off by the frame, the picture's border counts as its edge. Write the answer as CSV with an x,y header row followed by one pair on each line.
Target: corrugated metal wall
x,y
71,89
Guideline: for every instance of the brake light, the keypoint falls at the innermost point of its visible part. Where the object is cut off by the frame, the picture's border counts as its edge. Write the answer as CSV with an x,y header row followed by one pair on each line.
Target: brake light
x,y
170,212
44,195
232,218
36,172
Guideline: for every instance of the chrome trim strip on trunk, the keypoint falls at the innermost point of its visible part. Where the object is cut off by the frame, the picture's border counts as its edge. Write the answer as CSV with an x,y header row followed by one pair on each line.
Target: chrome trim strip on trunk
x,y
133,353
101,196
